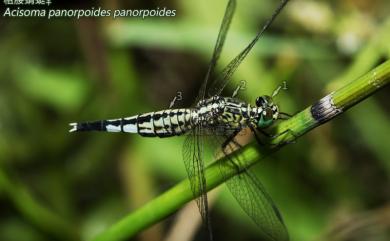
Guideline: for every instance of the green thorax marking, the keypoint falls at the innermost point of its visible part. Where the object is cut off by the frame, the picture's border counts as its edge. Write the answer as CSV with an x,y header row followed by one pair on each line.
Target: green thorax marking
x,y
264,122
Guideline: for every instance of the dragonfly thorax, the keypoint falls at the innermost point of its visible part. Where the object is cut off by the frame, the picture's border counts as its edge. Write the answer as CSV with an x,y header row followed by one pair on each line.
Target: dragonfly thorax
x,y
232,113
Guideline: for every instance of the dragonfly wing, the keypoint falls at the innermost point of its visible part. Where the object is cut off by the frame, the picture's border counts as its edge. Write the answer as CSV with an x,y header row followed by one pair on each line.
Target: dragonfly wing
x,y
226,74
229,12
254,200
193,156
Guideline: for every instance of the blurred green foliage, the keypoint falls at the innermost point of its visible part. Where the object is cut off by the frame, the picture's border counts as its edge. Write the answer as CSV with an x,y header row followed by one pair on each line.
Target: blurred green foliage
x,y
58,186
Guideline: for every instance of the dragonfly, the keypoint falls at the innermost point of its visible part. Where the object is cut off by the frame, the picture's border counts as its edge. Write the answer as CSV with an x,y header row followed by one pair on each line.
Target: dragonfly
x,y
217,120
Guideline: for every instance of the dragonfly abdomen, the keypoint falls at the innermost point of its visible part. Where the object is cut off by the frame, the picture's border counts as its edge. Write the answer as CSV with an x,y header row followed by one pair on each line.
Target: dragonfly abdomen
x,y
165,123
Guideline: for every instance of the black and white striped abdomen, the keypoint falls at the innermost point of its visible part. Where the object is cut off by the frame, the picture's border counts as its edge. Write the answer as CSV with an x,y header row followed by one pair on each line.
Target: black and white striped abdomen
x,y
163,123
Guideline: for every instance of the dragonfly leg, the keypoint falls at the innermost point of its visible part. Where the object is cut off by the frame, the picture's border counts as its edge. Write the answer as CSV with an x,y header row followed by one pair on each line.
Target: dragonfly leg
x,y
230,139
238,168
262,131
256,134
284,116
282,143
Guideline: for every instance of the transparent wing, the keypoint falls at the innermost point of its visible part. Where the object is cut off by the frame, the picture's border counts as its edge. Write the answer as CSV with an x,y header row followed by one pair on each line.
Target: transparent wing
x,y
226,74
193,153
229,12
194,161
254,200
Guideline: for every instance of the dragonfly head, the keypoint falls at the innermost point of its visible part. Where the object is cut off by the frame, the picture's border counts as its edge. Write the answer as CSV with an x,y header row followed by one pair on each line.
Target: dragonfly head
x,y
268,111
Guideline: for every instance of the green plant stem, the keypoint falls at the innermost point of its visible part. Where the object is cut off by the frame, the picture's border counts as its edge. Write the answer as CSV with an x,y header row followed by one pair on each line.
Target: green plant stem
x,y
324,110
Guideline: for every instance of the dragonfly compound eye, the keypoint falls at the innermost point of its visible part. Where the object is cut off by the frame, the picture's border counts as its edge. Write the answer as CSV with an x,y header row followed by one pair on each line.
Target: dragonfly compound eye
x,y
263,101
260,101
